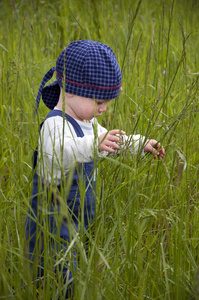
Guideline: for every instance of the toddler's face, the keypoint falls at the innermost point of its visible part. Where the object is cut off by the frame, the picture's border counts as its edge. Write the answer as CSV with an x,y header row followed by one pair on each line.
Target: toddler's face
x,y
84,109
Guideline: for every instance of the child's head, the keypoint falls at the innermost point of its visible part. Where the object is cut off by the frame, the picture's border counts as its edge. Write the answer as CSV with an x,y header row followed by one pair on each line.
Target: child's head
x,y
85,68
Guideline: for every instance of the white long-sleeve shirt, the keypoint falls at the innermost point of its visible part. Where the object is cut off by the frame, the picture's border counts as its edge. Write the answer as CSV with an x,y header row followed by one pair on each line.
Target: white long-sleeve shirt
x,y
60,148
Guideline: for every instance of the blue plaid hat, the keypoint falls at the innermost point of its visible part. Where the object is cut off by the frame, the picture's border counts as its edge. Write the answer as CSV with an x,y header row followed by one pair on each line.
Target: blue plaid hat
x,y
89,69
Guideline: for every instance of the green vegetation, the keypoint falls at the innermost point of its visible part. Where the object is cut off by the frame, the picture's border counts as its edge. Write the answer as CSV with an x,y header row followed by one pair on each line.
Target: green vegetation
x,y
146,240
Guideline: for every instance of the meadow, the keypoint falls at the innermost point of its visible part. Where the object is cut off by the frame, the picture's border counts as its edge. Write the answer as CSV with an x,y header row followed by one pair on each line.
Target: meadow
x,y
144,243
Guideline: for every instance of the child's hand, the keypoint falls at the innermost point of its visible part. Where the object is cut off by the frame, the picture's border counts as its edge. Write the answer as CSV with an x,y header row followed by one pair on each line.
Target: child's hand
x,y
108,141
154,148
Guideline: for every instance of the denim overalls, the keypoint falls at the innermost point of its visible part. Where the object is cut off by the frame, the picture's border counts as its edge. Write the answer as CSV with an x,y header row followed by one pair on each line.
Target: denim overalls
x,y
73,202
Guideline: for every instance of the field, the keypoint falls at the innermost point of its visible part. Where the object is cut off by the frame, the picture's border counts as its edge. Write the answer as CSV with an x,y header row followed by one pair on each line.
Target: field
x,y
144,243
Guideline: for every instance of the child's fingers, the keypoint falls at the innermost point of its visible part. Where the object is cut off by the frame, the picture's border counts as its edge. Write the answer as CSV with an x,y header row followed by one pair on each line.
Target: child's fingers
x,y
112,144
152,150
110,141
113,138
116,131
160,151
108,149
154,144
155,148
115,135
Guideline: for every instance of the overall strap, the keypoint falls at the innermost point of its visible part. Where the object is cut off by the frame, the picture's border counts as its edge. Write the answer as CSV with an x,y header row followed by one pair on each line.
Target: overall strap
x,y
74,123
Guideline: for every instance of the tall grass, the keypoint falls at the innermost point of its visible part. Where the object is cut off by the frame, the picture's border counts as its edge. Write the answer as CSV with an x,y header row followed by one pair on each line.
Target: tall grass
x,y
146,232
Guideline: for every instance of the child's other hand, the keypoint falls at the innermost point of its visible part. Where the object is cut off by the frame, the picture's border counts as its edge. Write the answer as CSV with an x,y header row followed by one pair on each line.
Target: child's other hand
x,y
108,141
154,148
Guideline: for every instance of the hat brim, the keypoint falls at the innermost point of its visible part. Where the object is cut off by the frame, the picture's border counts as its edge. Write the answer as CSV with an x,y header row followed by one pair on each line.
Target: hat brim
x,y
50,94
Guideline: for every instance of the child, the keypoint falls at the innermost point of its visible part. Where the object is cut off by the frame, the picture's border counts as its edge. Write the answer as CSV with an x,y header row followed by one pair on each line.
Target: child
x,y
88,77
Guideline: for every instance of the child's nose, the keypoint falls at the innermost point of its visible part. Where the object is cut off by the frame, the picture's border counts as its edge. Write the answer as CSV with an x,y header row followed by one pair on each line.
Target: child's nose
x,y
102,107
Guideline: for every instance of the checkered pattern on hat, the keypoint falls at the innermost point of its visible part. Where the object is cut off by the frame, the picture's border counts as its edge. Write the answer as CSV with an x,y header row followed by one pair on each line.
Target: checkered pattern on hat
x,y
85,68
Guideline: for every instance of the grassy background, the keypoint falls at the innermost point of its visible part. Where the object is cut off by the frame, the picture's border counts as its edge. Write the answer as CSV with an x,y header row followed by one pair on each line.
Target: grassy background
x,y
146,231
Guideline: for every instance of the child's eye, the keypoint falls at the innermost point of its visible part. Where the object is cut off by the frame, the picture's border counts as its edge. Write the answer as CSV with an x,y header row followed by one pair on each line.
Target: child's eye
x,y
99,102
